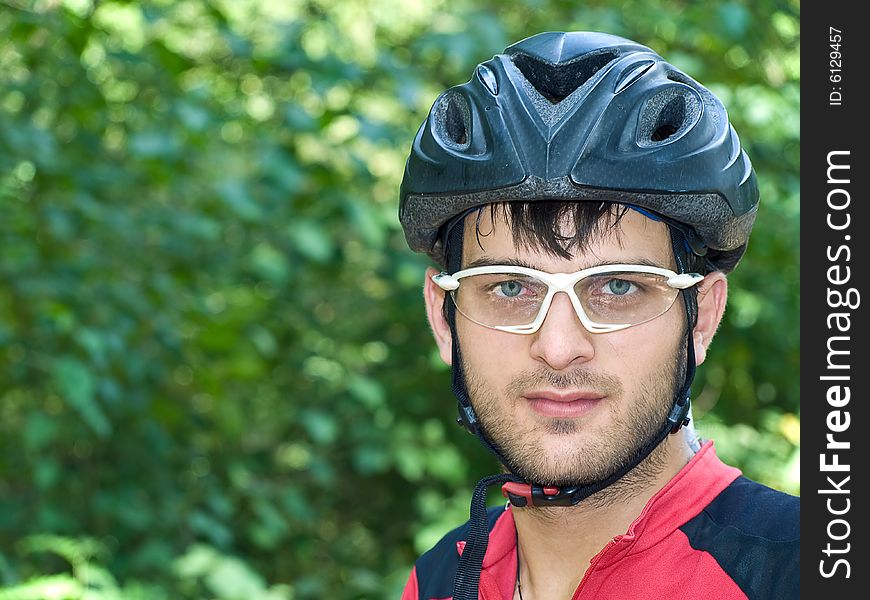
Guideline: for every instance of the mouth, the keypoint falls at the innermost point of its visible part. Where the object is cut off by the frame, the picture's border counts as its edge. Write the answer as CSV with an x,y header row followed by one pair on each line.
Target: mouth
x,y
563,404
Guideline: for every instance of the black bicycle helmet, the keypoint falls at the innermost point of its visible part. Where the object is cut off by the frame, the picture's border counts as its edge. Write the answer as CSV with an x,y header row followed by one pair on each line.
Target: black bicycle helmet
x,y
581,116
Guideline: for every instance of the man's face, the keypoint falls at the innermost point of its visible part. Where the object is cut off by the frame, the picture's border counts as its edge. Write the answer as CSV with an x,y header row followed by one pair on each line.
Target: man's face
x,y
564,405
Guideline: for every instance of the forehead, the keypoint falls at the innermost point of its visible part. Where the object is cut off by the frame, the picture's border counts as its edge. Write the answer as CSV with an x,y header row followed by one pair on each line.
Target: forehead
x,y
635,238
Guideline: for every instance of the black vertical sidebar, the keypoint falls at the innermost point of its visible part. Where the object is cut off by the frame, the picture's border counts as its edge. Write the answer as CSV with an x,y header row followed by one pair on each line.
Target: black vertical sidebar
x,y
835,228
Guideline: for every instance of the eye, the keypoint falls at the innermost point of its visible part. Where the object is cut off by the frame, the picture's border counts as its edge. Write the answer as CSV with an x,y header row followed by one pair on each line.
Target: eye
x,y
619,287
510,289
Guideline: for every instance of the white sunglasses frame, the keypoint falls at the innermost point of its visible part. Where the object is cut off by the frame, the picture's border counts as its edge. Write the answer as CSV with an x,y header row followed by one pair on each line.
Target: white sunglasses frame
x,y
564,282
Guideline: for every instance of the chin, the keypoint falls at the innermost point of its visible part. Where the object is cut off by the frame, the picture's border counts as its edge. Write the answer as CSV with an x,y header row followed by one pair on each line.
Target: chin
x,y
554,460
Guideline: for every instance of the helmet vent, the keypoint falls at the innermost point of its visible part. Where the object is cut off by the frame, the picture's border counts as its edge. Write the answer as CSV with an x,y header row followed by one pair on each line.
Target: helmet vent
x,y
487,78
455,124
555,82
667,115
670,119
452,121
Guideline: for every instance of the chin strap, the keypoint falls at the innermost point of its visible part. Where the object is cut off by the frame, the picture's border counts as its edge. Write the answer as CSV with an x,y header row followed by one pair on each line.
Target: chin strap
x,y
520,494
467,579
527,494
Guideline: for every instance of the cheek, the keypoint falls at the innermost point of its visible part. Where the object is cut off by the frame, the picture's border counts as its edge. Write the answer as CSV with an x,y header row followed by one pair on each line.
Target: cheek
x,y
494,355
646,348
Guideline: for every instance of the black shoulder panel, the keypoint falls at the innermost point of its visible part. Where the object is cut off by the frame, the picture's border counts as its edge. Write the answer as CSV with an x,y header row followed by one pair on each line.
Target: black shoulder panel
x,y
437,567
753,532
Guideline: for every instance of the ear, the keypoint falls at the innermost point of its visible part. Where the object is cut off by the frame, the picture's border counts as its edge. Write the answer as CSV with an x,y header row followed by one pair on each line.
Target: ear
x,y
435,298
712,295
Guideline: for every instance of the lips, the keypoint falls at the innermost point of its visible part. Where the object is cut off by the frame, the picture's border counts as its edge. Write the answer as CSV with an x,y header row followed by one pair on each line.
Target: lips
x,y
563,404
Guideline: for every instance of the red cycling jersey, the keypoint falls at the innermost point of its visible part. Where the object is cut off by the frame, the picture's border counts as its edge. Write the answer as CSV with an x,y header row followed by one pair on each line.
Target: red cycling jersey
x,y
708,533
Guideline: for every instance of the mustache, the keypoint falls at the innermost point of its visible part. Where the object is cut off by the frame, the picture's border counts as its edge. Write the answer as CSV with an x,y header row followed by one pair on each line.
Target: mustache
x,y
579,377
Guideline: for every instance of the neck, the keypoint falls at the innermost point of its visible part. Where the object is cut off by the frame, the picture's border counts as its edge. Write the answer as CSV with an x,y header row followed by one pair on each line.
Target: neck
x,y
555,545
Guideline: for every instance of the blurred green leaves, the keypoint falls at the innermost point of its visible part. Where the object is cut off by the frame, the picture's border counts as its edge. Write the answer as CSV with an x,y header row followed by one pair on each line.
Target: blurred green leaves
x,y
200,571
74,382
216,379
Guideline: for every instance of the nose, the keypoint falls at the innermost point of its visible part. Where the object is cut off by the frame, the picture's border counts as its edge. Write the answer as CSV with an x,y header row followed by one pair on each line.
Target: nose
x,y
562,341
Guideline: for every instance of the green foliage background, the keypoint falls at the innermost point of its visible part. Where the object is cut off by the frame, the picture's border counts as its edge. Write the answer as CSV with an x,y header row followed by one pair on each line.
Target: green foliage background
x,y
215,376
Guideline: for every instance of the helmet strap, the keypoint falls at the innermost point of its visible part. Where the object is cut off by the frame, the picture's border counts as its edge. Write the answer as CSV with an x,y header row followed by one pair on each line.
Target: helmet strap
x,y
467,418
518,492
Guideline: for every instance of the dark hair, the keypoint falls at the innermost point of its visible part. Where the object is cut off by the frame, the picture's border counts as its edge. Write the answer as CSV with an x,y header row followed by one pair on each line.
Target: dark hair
x,y
536,225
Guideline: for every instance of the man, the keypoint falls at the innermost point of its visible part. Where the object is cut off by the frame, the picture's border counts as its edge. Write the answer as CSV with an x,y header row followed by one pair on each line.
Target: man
x,y
585,200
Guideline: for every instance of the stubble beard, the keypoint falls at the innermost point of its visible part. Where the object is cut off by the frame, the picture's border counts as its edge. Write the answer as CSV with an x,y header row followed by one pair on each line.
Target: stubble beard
x,y
600,454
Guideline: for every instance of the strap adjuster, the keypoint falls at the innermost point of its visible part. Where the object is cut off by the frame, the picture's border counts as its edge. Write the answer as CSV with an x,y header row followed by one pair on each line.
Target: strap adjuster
x,y
525,494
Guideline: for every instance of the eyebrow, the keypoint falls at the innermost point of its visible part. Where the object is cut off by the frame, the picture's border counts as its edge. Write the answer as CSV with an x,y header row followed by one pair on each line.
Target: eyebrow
x,y
516,262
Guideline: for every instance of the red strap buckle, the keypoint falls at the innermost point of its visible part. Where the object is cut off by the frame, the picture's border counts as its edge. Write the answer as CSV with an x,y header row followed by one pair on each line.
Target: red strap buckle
x,y
523,494
512,488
